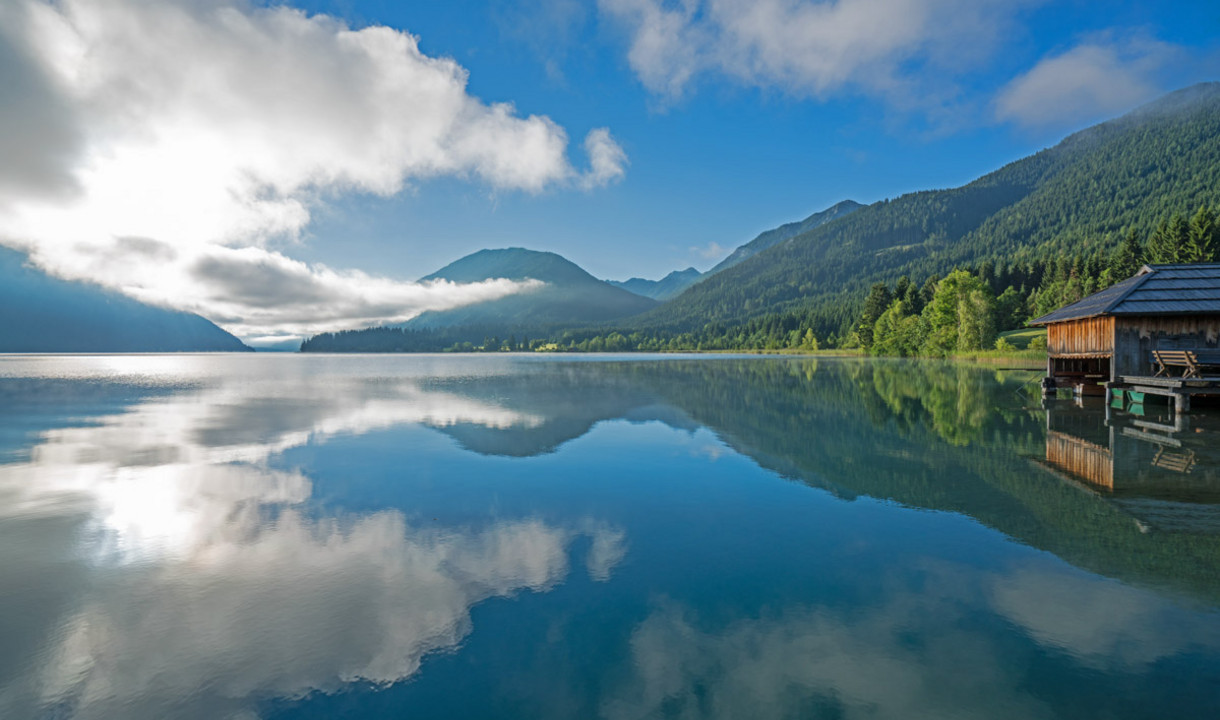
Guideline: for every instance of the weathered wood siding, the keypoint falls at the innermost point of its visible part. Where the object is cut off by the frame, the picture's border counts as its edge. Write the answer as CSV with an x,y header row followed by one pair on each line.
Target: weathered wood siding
x,y
1086,336
1080,458
1136,337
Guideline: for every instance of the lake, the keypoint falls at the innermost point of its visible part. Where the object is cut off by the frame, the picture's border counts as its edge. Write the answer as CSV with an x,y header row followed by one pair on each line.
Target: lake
x,y
288,536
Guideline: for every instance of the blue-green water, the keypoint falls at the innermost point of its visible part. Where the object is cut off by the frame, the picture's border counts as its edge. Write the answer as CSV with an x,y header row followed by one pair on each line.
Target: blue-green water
x,y
242,537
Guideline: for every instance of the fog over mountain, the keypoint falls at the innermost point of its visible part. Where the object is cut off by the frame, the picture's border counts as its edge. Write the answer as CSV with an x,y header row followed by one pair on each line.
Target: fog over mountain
x,y
39,313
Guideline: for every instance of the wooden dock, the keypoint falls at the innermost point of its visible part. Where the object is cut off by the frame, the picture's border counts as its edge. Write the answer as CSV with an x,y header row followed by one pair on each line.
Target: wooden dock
x,y
1177,390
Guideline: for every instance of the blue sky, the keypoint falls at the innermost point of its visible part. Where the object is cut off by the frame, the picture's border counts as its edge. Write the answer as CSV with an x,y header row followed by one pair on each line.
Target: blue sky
x,y
286,169
728,159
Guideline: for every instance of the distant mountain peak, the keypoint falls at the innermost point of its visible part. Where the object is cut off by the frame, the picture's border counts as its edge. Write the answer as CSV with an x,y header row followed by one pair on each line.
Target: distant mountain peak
x,y
570,296
1182,99
1201,97
663,289
514,263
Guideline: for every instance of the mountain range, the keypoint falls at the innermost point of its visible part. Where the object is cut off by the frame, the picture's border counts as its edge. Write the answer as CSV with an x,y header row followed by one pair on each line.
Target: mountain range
x,y
569,298
1080,196
1085,193
663,289
570,295
674,283
39,313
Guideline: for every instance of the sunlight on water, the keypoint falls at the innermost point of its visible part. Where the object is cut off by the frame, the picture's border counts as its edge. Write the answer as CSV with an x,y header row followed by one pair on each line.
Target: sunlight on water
x,y
288,536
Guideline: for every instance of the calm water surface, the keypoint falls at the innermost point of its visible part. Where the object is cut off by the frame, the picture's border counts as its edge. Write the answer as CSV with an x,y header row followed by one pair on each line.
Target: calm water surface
x,y
242,537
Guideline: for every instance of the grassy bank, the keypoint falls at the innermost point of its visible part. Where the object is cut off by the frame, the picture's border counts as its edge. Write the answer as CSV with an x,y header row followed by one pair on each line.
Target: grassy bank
x,y
1022,338
1018,350
1031,358
1034,359
828,352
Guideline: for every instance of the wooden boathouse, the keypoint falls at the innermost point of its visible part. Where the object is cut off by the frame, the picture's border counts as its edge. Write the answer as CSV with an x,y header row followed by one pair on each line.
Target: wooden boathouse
x,y
1157,332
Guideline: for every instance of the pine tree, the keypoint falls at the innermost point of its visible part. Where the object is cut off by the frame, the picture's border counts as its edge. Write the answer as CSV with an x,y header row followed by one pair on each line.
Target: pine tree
x,y
1127,258
911,299
878,300
986,272
902,287
1163,245
1073,289
1188,250
928,291
1205,234
1010,310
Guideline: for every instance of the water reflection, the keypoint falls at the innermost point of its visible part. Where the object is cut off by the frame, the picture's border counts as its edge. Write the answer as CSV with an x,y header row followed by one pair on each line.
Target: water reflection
x,y
1163,469
158,565
285,610
180,537
922,652
563,404
953,438
166,473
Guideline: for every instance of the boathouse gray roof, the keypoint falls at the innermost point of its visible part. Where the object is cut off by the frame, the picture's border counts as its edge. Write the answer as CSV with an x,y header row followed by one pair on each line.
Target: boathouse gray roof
x,y
1186,289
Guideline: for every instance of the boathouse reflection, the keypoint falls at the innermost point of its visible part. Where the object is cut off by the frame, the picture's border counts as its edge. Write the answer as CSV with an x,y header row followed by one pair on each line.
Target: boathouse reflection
x,y
1164,470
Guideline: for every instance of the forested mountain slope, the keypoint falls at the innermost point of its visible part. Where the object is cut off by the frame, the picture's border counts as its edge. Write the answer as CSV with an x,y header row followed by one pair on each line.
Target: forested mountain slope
x,y
775,236
39,313
1092,188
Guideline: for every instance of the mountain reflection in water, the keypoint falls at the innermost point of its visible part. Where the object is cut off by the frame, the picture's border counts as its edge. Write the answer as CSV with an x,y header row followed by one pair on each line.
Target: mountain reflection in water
x,y
272,536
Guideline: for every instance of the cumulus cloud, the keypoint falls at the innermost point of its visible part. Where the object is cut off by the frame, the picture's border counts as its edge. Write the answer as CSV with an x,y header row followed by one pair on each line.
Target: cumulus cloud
x,y
39,138
212,129
607,160
811,49
262,290
1088,82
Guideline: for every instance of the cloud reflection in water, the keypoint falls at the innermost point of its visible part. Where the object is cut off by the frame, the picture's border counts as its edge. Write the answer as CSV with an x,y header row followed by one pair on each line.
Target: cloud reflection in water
x,y
202,584
921,652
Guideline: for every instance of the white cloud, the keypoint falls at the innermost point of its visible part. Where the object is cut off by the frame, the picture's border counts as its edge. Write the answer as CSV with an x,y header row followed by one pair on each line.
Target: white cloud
x,y
607,160
212,129
667,46
814,49
1091,81
712,251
